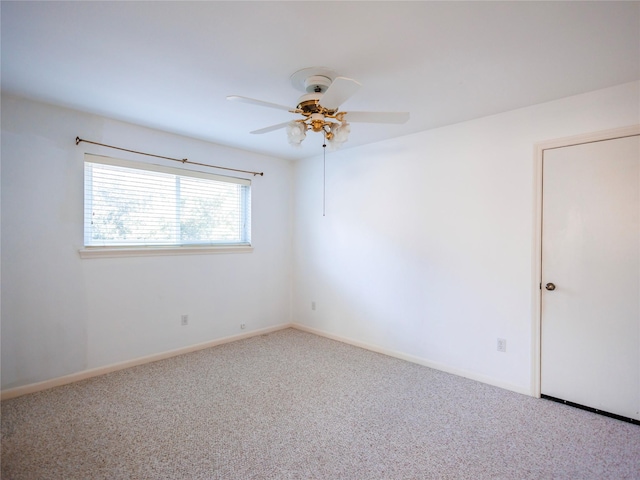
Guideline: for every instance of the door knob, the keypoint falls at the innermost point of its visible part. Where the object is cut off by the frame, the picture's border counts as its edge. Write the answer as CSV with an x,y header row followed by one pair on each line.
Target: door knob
x,y
550,286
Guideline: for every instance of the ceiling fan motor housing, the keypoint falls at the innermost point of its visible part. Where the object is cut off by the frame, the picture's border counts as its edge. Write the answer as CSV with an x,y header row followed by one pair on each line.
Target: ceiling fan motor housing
x,y
310,104
315,81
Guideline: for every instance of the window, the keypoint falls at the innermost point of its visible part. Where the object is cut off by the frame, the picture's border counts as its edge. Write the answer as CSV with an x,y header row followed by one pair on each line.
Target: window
x,y
131,204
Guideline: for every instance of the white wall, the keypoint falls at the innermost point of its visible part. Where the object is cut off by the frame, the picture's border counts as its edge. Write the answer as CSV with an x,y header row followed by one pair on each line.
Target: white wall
x,y
428,245
426,250
62,314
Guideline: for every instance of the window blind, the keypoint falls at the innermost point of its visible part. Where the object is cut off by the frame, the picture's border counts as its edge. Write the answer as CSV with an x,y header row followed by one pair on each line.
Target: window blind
x,y
139,204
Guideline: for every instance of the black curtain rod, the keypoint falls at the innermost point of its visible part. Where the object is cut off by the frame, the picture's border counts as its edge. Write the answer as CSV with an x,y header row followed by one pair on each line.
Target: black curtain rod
x,y
183,160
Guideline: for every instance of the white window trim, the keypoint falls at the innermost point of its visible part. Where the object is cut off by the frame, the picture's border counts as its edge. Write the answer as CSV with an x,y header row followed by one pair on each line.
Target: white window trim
x,y
113,252
110,251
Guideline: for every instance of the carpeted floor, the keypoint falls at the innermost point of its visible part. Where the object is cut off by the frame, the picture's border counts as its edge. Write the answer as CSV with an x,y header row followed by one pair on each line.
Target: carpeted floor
x,y
292,405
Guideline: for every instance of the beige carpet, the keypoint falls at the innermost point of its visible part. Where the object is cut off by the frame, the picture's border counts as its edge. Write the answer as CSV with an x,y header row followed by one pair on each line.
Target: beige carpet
x,y
291,405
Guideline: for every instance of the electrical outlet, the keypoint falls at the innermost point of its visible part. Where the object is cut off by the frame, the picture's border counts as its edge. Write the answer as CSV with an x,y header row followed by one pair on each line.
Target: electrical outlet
x,y
313,305
242,326
184,319
502,345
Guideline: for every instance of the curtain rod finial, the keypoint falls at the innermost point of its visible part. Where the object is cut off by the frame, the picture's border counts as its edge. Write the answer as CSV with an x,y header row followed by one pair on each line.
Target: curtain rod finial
x,y
78,140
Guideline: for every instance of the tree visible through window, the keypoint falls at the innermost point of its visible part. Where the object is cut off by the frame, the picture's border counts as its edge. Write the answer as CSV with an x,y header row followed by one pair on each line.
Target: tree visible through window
x,y
129,204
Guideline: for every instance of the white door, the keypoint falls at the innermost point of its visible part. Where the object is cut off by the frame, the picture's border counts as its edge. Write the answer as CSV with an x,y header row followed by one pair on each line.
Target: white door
x,y
590,350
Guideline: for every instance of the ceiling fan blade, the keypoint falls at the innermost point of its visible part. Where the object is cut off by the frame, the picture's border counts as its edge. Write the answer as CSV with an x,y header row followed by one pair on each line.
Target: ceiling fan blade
x,y
253,101
377,117
339,92
271,128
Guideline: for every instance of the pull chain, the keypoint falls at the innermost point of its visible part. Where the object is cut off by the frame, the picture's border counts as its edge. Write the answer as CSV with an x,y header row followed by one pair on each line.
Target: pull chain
x,y
324,173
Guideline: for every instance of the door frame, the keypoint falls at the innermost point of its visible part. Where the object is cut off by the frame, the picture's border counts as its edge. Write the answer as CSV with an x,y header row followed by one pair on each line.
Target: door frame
x,y
536,287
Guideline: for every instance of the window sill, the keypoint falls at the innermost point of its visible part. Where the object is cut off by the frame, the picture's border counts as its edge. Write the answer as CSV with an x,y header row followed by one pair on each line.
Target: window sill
x,y
111,252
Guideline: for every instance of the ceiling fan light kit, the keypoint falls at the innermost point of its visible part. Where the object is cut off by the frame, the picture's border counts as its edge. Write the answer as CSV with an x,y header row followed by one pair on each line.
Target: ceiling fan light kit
x,y
325,92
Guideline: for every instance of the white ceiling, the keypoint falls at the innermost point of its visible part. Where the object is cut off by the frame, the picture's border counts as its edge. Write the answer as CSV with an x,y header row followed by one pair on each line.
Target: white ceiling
x,y
170,65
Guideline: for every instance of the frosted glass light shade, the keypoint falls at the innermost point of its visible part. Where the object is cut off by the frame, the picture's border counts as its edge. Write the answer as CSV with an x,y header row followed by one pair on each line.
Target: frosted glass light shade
x,y
296,132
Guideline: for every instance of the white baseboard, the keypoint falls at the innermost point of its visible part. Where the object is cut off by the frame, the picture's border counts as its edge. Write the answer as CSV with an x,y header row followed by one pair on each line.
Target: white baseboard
x,y
418,360
94,372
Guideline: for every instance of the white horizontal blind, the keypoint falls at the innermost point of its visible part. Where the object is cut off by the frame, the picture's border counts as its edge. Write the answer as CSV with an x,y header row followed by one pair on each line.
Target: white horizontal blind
x,y
134,204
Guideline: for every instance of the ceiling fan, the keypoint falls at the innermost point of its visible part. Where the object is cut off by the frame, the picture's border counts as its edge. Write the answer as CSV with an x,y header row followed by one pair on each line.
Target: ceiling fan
x,y
325,92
